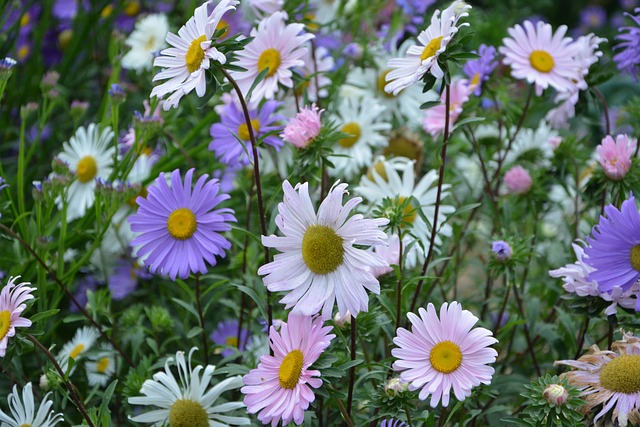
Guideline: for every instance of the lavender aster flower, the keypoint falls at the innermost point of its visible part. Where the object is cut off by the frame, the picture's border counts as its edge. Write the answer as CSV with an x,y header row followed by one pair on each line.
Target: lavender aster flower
x,y
392,422
226,334
478,70
233,126
502,250
593,17
628,56
614,250
179,230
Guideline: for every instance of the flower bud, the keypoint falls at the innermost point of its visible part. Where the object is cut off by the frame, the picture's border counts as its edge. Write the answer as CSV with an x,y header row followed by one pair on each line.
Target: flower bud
x,y
555,394
395,386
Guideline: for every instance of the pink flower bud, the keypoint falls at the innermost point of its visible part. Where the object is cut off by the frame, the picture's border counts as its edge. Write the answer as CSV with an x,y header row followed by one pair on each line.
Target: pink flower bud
x,y
517,180
615,157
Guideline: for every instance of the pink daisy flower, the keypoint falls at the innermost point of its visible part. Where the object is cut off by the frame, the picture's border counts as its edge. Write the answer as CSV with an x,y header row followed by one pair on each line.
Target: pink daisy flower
x,y
12,303
280,387
276,46
542,57
615,157
304,127
445,353
434,118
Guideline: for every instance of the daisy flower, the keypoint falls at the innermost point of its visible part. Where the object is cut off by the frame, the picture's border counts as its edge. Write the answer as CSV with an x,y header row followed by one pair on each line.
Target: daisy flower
x,y
628,56
23,410
611,379
82,342
89,154
541,57
423,57
315,72
101,366
233,126
276,46
147,38
190,56
280,387
531,145
435,117
361,120
614,249
478,70
320,263
440,354
226,335
12,303
179,230
190,401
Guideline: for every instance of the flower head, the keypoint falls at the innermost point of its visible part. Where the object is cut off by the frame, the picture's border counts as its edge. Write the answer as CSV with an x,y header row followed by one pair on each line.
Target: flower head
x,y
81,343
280,387
478,70
502,250
440,354
615,157
226,335
304,127
435,117
628,56
178,227
320,263
147,38
517,180
13,300
23,410
101,366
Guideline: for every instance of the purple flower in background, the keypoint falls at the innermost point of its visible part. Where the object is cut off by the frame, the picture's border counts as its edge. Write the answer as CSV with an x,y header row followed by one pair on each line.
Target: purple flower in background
x,y
478,70
65,9
225,144
628,4
392,422
502,250
614,249
86,284
124,279
226,334
628,56
593,17
415,11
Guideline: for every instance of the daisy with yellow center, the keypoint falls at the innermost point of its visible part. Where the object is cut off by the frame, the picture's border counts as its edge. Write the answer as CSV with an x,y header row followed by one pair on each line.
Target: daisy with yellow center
x,y
89,154
277,48
23,410
440,354
190,56
279,389
101,366
77,348
13,300
189,401
145,41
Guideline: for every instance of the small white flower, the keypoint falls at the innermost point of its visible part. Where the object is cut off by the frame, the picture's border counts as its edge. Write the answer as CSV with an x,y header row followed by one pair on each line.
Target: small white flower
x,y
78,346
101,366
23,410
145,41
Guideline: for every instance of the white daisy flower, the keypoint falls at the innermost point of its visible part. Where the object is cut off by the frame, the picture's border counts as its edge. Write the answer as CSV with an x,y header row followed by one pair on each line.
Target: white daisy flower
x,y
187,61
396,178
276,46
89,154
101,366
533,145
360,118
147,38
78,346
189,401
325,10
423,57
262,8
320,263
23,410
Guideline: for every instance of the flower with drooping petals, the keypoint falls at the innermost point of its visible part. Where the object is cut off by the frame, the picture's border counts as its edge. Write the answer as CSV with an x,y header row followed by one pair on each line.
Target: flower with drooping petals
x,y
279,389
517,180
12,303
304,127
81,343
434,118
23,410
615,157
628,56
440,354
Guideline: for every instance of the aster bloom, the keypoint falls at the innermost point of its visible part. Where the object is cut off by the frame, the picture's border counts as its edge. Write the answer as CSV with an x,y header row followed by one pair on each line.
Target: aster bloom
x,y
276,46
531,145
89,154
13,300
233,126
320,263
628,56
614,249
517,180
541,57
423,57
304,127
279,389
147,38
434,117
611,379
445,353
190,401
593,17
23,410
178,227
190,56
392,422
226,334
101,366
81,343
502,250
478,70
615,157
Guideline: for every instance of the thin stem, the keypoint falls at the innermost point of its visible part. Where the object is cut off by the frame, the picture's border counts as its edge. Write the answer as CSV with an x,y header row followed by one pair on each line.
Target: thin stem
x,y
205,343
345,414
605,109
352,371
443,416
243,299
408,413
513,137
399,285
67,382
585,326
526,331
67,293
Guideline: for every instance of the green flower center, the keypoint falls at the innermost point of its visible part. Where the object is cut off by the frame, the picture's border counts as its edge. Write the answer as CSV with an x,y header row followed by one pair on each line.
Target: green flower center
x,y
290,369
445,357
401,146
182,223
195,54
431,49
380,170
270,58
541,60
322,249
382,82
408,211
353,129
187,413
87,169
622,374
634,257
5,323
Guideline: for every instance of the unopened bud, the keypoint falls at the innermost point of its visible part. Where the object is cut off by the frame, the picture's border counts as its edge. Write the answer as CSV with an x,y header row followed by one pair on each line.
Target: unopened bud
x,y
555,394
395,386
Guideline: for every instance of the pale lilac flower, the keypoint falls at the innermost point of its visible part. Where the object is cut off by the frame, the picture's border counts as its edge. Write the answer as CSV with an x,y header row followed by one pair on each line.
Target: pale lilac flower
x,y
615,157
434,118
13,300
502,250
517,180
304,127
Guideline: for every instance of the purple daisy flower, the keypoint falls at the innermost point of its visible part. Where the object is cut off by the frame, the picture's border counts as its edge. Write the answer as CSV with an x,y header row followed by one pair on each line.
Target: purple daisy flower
x,y
124,279
478,70
593,17
628,56
179,230
225,144
226,334
392,422
614,250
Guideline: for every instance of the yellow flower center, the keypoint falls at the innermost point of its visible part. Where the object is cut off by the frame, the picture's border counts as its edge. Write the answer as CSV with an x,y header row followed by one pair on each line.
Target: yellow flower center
x,y
107,11
270,58
64,38
25,425
222,24
232,341
431,49
195,54
353,129
182,223
401,146
380,169
409,213
382,82
475,79
445,357
243,129
634,257
187,413
102,365
76,351
5,323
25,19
312,25
541,60
622,374
322,249
290,369
132,8
23,51
151,42
87,169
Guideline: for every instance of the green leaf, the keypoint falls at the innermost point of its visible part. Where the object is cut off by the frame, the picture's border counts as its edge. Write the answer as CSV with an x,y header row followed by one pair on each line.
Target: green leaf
x,y
194,332
43,315
430,104
258,79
